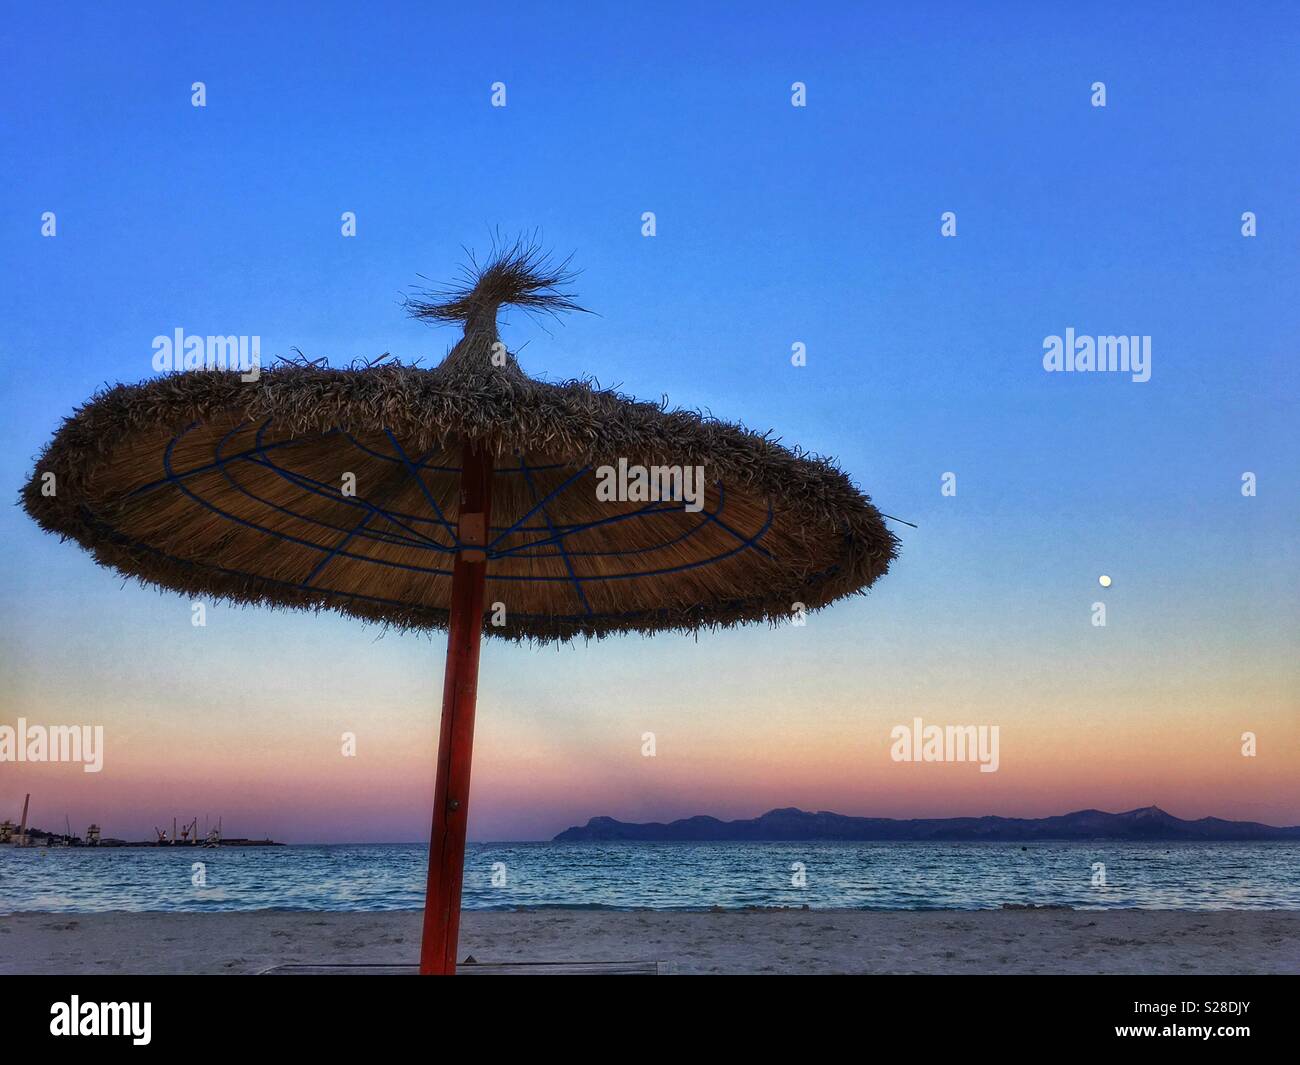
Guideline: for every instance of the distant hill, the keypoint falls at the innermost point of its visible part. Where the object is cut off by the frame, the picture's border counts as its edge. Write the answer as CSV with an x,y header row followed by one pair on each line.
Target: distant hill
x,y
1149,823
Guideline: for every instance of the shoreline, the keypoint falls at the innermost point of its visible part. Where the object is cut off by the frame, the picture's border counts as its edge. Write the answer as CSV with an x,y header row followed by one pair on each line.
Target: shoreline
x,y
1039,941
597,908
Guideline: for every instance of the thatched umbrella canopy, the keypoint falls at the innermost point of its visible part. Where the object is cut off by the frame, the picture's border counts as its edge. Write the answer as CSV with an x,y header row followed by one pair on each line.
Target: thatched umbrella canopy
x,y
468,496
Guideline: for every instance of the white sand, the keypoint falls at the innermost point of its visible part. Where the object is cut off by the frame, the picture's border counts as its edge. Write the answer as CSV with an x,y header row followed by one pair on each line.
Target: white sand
x,y
795,941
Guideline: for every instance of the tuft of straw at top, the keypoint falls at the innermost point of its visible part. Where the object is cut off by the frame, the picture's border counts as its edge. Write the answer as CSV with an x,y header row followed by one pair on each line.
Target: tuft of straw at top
x,y
522,274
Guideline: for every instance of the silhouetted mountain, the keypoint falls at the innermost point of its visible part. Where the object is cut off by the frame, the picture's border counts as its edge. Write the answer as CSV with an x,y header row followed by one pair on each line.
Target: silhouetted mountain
x,y
1149,823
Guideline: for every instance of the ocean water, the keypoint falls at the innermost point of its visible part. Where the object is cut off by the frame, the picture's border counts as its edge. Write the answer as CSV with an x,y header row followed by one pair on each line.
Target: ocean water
x,y
661,876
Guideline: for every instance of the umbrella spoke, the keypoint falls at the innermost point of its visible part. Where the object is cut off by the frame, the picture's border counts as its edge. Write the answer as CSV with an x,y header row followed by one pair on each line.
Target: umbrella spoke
x,y
208,467
516,526
649,510
374,510
213,508
328,491
413,470
577,584
397,540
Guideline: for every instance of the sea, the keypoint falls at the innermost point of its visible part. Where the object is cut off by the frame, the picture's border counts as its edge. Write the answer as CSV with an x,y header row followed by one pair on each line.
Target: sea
x,y
661,876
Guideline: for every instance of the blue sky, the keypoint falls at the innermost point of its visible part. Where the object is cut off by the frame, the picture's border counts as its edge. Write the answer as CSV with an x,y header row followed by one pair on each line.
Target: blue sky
x,y
775,224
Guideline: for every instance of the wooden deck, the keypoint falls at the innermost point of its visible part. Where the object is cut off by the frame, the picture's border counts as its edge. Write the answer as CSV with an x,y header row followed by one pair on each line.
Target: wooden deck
x,y
518,968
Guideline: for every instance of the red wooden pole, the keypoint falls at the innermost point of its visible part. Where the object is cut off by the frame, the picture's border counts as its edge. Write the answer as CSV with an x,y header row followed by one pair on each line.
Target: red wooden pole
x,y
456,741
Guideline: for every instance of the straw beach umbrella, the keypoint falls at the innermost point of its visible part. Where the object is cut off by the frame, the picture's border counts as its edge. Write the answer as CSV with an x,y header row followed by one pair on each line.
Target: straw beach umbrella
x,y
467,497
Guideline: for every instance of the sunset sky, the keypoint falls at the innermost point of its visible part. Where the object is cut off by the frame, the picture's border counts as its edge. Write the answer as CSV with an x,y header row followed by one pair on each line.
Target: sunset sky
x,y
776,225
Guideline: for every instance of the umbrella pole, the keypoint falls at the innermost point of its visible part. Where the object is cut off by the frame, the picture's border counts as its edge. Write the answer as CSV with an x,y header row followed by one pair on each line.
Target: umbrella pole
x,y
456,740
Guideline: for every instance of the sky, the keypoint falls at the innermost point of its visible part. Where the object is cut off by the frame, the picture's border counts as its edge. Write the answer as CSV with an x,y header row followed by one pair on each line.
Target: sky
x,y
775,225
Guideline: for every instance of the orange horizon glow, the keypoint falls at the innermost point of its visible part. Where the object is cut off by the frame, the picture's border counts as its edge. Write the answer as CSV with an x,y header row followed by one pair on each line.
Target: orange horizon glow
x,y
286,777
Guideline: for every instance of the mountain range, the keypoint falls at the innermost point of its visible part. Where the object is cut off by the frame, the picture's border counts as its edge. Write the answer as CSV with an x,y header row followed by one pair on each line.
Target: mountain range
x,y
1148,823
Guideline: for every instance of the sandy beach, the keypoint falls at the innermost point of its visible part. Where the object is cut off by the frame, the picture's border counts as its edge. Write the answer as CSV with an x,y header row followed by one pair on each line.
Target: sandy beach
x,y
789,941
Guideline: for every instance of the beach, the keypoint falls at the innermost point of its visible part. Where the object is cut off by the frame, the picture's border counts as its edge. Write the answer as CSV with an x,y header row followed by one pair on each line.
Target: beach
x,y
794,941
